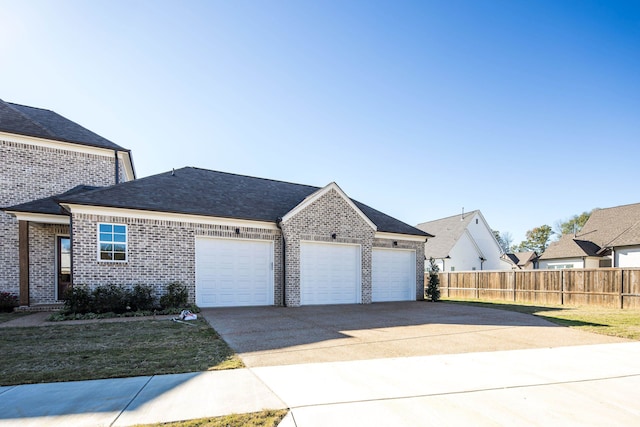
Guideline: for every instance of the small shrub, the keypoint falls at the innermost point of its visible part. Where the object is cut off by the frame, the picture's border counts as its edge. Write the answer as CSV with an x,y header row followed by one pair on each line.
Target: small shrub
x,y
110,298
141,298
8,302
77,299
175,297
433,288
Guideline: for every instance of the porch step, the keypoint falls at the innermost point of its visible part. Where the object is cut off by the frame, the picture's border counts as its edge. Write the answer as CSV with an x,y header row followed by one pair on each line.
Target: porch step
x,y
41,307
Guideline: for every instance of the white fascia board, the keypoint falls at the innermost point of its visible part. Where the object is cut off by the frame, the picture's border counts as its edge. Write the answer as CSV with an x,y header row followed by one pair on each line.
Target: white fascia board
x,y
60,145
39,217
398,236
475,245
317,194
129,170
166,216
486,224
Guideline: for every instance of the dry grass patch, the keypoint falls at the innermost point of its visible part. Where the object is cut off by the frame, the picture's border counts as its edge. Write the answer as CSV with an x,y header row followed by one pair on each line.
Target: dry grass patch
x,y
110,350
615,322
266,418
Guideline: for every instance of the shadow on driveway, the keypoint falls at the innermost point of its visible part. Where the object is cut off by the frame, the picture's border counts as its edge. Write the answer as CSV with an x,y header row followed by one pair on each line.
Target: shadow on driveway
x,y
267,336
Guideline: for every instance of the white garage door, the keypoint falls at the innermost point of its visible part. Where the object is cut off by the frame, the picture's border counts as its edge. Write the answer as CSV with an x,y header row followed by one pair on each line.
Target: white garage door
x,y
329,273
233,272
393,275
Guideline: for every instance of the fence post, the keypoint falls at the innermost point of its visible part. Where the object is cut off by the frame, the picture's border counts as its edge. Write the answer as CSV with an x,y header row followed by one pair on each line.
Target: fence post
x,y
514,285
562,287
621,289
477,285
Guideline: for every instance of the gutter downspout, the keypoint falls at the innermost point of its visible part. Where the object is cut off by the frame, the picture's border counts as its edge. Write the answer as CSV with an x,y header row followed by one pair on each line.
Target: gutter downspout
x,y
117,171
284,263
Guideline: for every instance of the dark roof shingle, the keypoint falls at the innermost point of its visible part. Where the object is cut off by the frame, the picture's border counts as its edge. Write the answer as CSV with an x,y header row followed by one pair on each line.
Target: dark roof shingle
x,y
49,205
40,123
210,193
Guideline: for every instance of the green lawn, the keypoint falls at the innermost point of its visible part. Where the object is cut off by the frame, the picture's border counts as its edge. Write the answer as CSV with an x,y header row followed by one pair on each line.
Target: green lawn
x,y
608,321
110,350
266,418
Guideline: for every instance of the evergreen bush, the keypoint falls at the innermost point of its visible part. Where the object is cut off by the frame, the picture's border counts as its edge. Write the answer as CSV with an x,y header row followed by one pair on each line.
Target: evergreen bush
x,y
433,287
8,302
176,296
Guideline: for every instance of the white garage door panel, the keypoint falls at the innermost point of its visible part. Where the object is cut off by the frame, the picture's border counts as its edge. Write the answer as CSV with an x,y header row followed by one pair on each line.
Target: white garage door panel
x,y
233,272
329,273
393,275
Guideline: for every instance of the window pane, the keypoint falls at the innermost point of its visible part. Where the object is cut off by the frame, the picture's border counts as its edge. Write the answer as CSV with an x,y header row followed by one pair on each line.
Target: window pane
x,y
106,228
119,238
119,256
120,229
119,248
104,237
106,247
106,256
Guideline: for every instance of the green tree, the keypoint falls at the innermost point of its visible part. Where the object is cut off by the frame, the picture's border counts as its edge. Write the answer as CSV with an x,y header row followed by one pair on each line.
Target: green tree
x,y
537,240
573,224
433,288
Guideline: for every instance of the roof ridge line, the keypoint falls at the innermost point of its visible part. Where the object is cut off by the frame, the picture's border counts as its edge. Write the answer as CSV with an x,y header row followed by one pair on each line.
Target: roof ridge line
x,y
621,233
254,177
35,122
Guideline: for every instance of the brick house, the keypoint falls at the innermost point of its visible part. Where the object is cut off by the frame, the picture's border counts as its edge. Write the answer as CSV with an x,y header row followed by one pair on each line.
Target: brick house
x,y
45,155
233,240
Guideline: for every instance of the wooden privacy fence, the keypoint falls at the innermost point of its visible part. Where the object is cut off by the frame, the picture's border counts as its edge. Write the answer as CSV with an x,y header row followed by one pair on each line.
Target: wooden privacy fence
x,y
605,287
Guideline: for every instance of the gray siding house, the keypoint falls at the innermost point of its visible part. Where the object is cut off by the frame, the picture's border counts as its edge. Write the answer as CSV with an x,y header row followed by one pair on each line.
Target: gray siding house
x,y
233,240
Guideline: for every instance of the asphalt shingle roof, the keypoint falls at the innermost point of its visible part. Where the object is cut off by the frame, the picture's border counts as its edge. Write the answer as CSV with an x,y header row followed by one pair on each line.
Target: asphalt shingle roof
x,y
447,231
49,205
616,226
40,123
521,259
605,228
570,247
210,193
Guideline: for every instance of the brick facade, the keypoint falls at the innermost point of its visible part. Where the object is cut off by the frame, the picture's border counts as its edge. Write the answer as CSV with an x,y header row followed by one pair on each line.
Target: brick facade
x,y
31,172
42,255
329,214
163,251
159,252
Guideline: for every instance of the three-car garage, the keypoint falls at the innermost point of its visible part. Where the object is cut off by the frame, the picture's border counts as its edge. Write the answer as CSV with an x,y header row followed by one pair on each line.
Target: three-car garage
x,y
240,272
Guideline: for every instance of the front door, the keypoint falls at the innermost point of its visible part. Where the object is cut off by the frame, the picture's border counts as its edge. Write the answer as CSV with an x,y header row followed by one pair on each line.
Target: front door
x,y
63,268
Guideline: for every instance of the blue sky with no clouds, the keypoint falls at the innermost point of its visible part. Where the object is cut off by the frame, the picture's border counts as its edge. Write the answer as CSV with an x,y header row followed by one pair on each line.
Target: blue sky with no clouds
x,y
526,110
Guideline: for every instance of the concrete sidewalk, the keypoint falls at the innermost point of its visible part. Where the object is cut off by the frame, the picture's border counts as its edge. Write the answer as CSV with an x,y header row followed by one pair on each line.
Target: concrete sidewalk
x,y
137,400
592,385
580,385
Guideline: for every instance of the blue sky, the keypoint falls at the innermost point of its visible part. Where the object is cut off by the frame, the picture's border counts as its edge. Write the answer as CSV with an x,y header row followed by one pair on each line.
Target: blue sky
x,y
528,111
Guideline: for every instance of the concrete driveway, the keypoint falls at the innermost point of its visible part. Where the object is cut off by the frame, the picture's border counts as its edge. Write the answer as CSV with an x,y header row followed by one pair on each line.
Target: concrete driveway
x,y
273,336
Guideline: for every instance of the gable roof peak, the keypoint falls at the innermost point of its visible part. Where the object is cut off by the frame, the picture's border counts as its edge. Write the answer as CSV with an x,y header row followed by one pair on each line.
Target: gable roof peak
x,y
322,191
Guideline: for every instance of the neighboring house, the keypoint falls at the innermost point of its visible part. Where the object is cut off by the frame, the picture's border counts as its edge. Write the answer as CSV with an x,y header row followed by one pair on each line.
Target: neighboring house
x,y
463,243
522,260
609,238
43,155
233,240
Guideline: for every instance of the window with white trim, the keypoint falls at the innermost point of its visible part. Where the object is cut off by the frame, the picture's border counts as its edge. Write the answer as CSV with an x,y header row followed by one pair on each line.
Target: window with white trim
x,y
112,242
